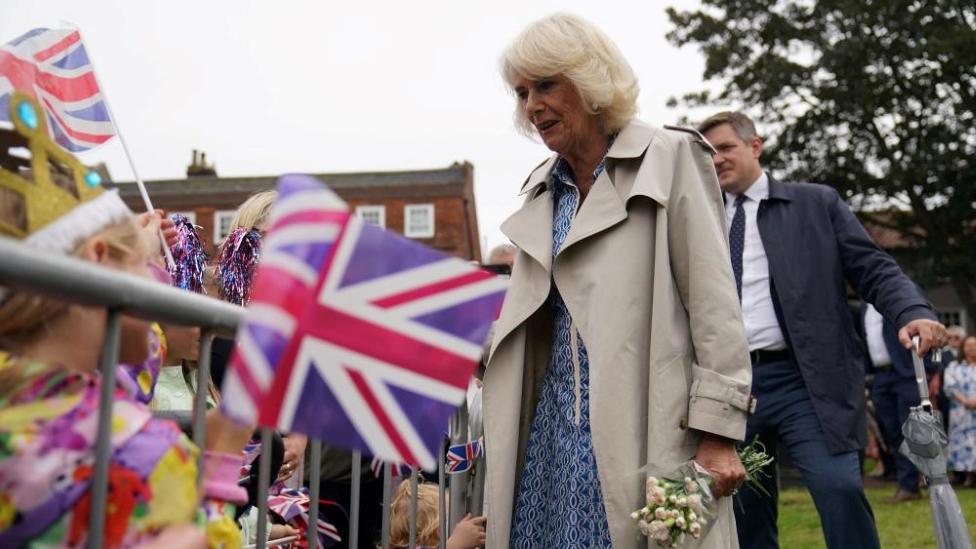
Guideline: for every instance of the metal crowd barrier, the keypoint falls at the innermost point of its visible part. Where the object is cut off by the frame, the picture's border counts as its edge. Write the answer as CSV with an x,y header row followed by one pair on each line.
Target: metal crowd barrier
x,y
78,281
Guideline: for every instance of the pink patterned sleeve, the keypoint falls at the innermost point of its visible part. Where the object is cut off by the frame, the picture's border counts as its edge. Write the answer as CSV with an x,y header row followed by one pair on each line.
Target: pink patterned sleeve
x,y
139,381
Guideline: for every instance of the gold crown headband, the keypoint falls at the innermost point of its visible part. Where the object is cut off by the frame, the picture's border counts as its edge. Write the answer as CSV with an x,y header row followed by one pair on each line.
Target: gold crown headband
x,y
62,200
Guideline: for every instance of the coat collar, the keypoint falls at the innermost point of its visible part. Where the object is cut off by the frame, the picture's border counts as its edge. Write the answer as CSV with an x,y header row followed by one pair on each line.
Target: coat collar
x,y
779,190
530,228
631,142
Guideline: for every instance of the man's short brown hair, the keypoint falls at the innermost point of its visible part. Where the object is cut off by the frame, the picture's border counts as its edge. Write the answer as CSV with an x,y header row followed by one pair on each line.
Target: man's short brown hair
x,y
739,121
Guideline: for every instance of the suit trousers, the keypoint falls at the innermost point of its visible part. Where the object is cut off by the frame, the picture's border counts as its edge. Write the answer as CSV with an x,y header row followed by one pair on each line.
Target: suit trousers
x,y
784,414
893,396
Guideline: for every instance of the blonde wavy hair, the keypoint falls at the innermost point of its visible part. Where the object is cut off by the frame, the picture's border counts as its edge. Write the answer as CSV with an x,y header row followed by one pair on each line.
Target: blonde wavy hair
x,y
253,213
428,525
570,46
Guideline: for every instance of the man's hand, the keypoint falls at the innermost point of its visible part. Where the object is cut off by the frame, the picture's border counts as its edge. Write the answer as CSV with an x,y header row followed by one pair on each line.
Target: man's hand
x,y
932,335
718,456
294,450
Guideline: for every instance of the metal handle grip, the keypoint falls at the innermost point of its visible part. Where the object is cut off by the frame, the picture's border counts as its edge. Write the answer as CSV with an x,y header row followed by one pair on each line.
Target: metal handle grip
x,y
920,378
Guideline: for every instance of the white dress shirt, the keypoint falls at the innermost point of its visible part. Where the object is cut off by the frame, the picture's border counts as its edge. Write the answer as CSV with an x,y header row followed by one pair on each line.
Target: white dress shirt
x,y
758,314
873,330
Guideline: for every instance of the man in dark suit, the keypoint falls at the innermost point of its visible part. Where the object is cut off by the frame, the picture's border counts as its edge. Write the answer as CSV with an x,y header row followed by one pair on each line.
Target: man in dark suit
x,y
792,248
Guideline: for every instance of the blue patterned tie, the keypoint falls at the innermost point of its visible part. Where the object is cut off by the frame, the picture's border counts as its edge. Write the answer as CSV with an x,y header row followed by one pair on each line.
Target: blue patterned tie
x,y
737,241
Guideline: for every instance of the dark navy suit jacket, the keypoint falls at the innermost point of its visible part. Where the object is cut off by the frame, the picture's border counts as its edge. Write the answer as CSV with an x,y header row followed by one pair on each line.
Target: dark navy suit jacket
x,y
814,243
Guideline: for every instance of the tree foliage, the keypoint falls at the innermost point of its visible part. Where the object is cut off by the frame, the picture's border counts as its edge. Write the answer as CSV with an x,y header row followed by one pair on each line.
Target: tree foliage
x,y
876,98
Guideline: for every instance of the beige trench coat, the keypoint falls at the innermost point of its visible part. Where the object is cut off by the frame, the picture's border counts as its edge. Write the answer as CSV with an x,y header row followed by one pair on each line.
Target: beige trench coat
x,y
646,276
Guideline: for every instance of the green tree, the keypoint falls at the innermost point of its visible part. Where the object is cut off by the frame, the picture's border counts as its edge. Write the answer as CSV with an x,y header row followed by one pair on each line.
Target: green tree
x,y
876,98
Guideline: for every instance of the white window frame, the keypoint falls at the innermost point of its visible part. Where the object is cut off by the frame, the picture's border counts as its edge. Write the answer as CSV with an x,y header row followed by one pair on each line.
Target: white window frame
x,y
190,215
229,214
379,209
411,232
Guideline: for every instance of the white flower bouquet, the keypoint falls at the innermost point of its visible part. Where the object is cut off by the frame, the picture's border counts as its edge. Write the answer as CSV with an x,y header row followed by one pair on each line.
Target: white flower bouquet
x,y
681,503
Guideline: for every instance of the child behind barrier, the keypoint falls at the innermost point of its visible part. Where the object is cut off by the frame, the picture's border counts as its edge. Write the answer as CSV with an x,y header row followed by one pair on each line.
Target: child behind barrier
x,y
468,534
50,384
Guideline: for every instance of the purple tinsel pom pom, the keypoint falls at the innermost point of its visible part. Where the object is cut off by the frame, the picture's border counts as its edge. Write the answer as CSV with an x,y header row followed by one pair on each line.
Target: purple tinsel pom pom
x,y
189,255
236,264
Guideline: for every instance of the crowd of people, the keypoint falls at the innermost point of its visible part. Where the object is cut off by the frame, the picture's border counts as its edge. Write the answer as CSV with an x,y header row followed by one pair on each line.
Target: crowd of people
x,y
952,387
49,381
669,298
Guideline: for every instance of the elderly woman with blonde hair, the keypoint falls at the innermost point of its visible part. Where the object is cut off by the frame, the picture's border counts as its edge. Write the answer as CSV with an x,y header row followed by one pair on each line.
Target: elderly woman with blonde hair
x,y
620,347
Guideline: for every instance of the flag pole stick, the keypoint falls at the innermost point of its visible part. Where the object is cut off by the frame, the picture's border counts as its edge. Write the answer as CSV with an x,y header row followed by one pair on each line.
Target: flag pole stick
x,y
125,148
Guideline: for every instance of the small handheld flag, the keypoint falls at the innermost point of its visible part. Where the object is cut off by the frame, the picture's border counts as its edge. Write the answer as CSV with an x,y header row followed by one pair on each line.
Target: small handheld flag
x,y
461,457
52,66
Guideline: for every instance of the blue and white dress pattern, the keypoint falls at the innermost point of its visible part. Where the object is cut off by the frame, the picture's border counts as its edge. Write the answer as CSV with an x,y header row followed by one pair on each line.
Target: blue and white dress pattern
x,y
960,379
559,502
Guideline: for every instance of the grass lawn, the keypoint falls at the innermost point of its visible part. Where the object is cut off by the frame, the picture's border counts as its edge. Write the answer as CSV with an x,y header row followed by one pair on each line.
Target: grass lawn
x,y
905,525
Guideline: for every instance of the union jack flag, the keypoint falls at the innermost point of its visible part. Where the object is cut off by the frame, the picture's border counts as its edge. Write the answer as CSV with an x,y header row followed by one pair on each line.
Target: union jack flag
x,y
354,335
52,66
397,470
461,457
292,505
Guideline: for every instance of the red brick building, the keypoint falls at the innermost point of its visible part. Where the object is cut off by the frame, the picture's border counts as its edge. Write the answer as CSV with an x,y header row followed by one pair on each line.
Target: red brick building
x,y
435,207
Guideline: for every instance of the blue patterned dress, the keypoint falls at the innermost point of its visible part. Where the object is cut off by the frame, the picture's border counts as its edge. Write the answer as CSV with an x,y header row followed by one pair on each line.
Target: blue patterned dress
x,y
960,379
559,502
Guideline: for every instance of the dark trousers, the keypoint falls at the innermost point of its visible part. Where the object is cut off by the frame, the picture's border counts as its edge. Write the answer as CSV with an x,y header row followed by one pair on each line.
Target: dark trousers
x,y
893,396
785,415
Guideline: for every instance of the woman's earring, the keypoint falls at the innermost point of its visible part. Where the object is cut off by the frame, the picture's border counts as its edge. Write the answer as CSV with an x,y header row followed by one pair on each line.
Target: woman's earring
x,y
596,108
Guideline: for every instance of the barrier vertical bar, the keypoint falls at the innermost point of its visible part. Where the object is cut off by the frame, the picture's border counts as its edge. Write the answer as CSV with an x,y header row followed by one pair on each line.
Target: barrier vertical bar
x,y
200,399
264,479
103,440
477,497
442,499
459,435
414,484
314,477
387,482
357,464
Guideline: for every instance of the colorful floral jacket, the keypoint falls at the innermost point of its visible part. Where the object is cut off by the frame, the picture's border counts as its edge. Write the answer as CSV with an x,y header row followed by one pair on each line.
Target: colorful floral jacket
x,y
47,439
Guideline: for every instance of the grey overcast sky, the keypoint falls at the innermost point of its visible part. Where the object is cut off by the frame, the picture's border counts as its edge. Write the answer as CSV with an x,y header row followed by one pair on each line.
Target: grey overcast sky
x,y
317,86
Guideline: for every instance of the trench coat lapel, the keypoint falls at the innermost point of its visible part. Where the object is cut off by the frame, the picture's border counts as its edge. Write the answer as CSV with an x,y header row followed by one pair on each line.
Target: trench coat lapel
x,y
601,210
530,228
604,207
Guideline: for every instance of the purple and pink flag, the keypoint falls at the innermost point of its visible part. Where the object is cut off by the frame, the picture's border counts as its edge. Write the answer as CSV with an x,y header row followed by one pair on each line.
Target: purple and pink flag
x,y
354,335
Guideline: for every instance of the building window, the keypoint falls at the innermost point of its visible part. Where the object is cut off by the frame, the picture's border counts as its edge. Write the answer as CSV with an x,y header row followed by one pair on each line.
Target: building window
x,y
953,317
191,216
222,221
374,215
418,221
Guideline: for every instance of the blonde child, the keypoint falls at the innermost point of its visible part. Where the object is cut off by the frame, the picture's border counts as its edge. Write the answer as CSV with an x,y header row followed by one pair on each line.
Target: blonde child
x,y
468,534
49,380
